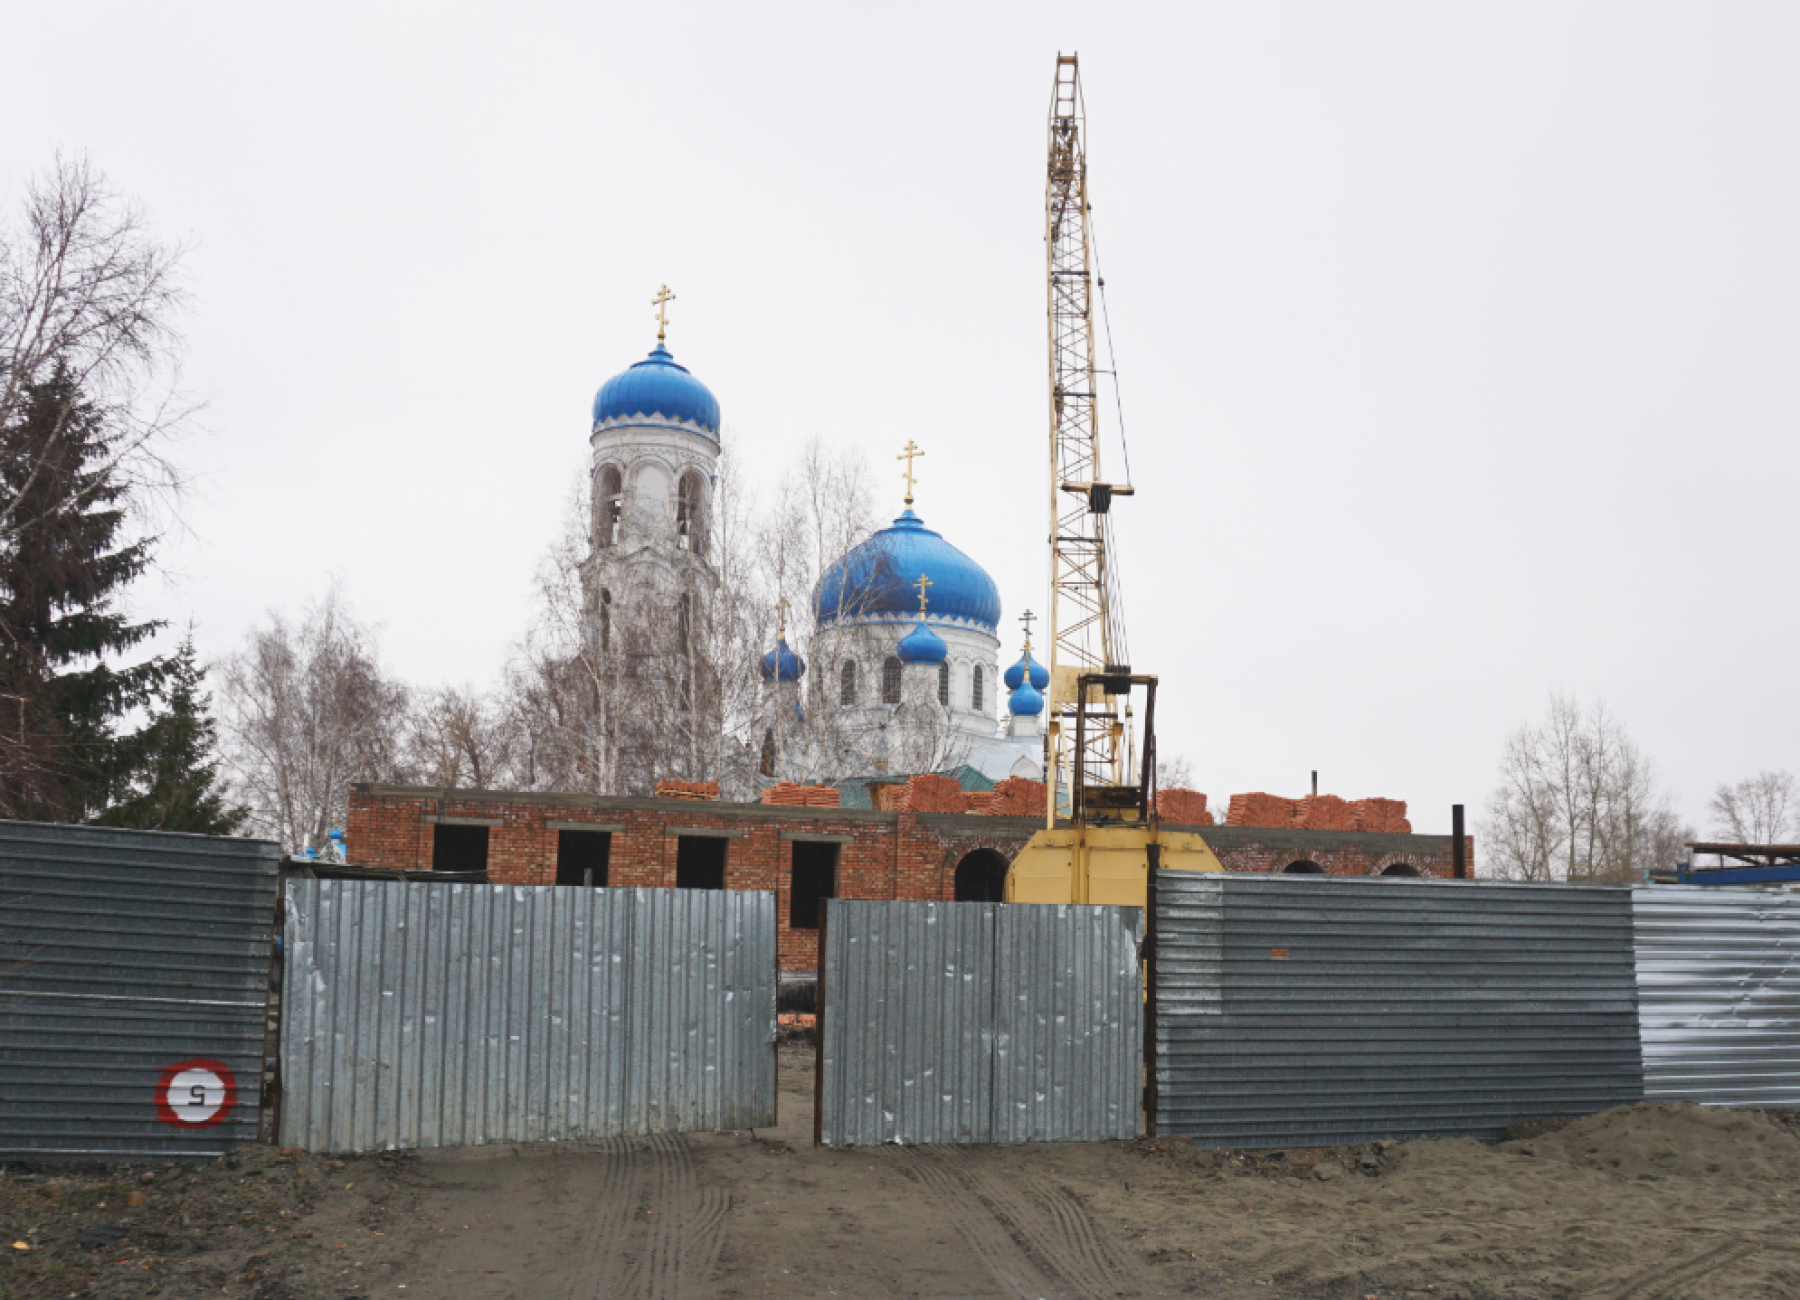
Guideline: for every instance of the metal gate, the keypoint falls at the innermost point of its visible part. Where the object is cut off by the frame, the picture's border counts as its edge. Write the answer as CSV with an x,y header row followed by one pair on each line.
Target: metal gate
x,y
134,978
1718,974
1312,1011
431,1015
978,1022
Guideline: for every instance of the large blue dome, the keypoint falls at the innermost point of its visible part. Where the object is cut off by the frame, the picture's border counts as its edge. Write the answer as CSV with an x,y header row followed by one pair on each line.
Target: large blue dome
x,y
657,388
876,580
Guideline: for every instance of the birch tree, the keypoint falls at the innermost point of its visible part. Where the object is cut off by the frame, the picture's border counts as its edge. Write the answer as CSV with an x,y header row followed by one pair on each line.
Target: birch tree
x,y
1580,801
1760,809
306,709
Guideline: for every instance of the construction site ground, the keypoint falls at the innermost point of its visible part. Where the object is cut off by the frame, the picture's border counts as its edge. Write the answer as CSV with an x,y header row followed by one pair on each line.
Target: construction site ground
x,y
1645,1201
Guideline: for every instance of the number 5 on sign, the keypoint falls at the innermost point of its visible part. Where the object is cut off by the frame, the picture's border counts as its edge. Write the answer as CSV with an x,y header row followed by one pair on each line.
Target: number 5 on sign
x,y
195,1094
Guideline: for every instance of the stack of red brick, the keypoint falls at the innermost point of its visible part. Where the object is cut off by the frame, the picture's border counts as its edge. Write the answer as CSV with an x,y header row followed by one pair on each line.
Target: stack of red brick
x,y
1017,796
1322,812
786,794
695,790
1182,807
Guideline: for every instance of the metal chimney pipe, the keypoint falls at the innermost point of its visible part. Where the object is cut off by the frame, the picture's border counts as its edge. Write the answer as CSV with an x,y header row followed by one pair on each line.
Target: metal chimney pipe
x,y
1459,863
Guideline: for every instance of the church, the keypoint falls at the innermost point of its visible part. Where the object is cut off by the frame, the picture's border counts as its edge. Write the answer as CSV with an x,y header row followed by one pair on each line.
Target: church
x,y
903,631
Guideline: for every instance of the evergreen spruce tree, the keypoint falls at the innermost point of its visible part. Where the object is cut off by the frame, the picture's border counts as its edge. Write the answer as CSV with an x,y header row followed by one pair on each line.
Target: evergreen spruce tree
x,y
177,785
63,695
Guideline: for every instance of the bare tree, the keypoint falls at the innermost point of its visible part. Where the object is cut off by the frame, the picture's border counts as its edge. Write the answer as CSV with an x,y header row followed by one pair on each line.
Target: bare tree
x,y
306,710
456,737
85,287
1174,773
1760,809
1579,801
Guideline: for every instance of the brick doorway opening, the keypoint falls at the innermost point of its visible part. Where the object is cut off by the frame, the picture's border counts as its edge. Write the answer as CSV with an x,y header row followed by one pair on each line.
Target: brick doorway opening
x,y
981,877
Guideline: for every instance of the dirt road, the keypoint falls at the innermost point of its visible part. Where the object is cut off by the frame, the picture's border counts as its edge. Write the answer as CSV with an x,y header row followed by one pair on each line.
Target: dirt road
x,y
1642,1203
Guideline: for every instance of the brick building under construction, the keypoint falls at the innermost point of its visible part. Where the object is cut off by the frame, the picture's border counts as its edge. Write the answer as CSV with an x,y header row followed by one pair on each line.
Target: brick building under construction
x,y
925,845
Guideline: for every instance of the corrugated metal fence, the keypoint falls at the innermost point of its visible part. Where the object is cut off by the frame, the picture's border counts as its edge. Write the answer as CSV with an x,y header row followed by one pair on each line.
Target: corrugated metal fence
x,y
1719,994
1310,1011
979,1022
428,1015
125,954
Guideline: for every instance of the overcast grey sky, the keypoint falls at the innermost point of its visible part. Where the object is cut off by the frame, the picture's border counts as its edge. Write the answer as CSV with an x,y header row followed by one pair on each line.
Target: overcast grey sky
x,y
1458,342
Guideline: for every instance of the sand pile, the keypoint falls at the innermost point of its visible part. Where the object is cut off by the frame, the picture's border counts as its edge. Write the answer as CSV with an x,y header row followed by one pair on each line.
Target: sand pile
x,y
1681,1140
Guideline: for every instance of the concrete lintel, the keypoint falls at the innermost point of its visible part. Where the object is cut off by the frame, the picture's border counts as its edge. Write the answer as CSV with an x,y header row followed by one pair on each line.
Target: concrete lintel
x,y
442,819
611,828
706,832
807,837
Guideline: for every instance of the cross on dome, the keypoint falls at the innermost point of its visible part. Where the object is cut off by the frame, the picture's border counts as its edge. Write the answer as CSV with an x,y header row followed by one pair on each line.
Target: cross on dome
x,y
661,303
922,584
912,451
1027,618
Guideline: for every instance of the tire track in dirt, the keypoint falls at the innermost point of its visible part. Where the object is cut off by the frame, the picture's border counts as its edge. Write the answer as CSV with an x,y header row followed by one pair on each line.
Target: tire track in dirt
x,y
611,1196
1661,1281
653,1233
1010,1267
1033,1235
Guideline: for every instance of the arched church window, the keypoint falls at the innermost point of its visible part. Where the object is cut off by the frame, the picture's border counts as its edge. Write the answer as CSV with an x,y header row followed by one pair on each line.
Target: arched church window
x,y
768,753
975,690
605,620
847,686
611,507
890,681
690,513
944,684
684,626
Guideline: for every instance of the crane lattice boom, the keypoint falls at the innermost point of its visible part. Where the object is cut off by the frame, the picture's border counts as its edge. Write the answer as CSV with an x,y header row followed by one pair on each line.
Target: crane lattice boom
x,y
1084,637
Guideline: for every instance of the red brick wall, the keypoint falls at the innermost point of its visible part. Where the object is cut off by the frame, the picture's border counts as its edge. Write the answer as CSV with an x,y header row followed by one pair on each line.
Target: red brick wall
x,y
903,854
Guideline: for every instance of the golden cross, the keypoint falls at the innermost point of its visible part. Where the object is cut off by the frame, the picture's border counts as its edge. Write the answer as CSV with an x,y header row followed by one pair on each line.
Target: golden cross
x,y
921,584
660,302
781,624
908,455
1026,618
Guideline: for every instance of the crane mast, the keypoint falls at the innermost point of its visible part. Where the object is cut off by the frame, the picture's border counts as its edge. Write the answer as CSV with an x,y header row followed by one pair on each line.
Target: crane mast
x,y
1086,632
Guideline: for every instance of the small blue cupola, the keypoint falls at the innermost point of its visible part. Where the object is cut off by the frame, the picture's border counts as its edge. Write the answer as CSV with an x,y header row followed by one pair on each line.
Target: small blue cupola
x,y
782,664
1027,669
922,646
1025,701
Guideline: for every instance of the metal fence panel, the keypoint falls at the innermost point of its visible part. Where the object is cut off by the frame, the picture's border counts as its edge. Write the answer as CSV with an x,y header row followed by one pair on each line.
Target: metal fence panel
x,y
1309,1011
430,1015
979,1022
124,953
1718,973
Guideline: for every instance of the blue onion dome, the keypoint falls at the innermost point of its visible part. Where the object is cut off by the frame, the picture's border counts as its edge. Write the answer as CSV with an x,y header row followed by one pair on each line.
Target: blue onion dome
x,y
874,581
1025,702
922,646
782,664
1026,667
656,388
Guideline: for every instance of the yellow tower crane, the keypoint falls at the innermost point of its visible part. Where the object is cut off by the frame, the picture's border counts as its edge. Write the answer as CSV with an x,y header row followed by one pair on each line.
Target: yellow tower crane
x,y
1101,835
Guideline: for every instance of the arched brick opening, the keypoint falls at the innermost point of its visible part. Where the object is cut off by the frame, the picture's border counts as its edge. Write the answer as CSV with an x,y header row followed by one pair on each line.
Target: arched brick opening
x,y
963,849
1396,864
980,877
1303,867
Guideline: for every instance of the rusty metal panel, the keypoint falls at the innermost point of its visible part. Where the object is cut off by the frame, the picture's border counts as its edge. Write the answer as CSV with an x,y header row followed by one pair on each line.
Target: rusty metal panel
x,y
1718,970
1316,1010
429,1015
979,1022
124,954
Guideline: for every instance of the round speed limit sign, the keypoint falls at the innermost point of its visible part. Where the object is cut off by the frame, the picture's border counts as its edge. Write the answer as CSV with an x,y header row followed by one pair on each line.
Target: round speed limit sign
x,y
195,1094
